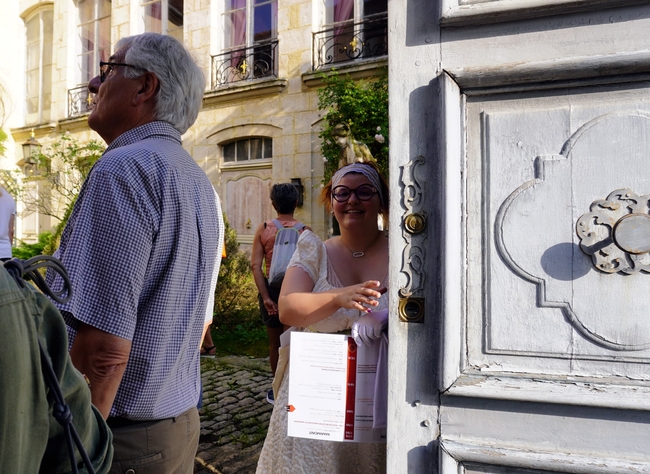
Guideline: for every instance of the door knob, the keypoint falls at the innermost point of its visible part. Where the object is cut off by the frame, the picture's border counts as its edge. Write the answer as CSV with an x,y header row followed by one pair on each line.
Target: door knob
x,y
415,223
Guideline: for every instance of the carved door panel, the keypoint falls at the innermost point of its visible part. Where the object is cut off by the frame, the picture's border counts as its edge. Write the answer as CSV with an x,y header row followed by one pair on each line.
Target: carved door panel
x,y
522,260
246,201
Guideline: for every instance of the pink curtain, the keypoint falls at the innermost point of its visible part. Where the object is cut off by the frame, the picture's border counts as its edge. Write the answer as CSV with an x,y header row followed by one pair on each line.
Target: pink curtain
x,y
238,30
156,11
342,12
153,18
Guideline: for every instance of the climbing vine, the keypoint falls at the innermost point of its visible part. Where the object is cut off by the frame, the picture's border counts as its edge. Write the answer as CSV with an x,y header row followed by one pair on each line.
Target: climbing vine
x,y
363,107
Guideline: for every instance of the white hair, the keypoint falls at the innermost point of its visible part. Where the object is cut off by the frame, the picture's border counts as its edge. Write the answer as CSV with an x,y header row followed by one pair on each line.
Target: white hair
x,y
181,81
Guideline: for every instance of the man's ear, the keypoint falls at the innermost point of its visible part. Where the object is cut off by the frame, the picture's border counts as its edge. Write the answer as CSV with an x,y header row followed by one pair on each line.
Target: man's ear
x,y
148,86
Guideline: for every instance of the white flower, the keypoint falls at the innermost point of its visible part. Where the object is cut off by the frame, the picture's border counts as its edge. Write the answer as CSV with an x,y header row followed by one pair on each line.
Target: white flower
x,y
380,138
379,129
324,160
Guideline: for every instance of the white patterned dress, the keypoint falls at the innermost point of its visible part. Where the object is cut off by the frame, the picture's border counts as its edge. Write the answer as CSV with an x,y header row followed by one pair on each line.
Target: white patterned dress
x,y
286,455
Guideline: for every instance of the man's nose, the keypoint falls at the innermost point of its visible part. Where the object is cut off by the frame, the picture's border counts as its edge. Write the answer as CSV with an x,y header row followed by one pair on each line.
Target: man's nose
x,y
93,85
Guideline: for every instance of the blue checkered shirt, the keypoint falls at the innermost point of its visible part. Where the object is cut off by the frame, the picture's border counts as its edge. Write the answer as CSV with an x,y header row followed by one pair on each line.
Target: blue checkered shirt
x,y
142,248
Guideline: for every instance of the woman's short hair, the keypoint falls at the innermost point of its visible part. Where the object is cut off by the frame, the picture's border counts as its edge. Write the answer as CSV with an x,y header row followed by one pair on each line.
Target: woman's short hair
x,y
285,197
326,192
181,81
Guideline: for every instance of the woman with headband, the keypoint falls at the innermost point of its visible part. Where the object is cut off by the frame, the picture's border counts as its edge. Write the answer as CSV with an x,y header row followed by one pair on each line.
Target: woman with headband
x,y
333,286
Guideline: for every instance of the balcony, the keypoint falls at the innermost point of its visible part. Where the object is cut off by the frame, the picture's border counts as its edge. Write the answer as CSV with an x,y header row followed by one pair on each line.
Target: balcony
x,y
79,101
349,42
257,62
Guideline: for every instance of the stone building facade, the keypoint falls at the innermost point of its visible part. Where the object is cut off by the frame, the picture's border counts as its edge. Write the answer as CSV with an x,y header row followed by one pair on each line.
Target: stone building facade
x,y
262,59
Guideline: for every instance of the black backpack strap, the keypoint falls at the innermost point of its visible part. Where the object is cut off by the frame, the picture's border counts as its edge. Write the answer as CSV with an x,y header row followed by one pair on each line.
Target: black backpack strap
x,y
62,414
28,270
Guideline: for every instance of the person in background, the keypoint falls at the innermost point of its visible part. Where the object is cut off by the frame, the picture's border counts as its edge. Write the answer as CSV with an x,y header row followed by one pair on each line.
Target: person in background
x,y
284,198
7,223
142,251
329,287
207,347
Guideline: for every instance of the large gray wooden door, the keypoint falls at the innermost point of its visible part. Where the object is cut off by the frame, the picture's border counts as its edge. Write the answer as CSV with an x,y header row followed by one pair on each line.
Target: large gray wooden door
x,y
520,232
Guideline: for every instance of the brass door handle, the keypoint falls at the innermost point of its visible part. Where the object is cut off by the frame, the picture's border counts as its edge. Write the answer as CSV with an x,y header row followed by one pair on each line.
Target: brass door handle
x,y
415,223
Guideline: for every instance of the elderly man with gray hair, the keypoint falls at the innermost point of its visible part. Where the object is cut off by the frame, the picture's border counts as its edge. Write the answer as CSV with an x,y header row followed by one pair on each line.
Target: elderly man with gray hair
x,y
142,248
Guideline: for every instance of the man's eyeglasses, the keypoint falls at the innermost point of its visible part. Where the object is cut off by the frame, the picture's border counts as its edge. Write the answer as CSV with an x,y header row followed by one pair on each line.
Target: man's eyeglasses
x,y
106,68
365,192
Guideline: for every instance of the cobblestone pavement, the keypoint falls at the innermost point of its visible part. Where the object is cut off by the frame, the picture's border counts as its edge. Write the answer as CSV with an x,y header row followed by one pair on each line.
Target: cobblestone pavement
x,y
235,414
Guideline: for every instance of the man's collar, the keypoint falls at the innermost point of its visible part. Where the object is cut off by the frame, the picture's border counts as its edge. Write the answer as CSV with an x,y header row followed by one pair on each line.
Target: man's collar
x,y
156,129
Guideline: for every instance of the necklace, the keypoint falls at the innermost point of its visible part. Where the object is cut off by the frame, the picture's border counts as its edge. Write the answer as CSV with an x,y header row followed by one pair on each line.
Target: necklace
x,y
362,253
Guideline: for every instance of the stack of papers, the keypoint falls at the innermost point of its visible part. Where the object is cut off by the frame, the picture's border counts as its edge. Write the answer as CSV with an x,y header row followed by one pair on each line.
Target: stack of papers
x,y
331,388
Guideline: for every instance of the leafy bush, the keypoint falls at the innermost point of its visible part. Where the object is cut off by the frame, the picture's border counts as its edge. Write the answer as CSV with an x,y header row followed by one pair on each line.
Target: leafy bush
x,y
235,302
363,106
25,251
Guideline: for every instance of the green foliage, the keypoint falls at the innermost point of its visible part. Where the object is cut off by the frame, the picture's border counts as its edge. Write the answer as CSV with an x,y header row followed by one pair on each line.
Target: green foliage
x,y
249,339
55,239
10,180
363,106
235,301
236,326
3,115
64,164
25,251
3,139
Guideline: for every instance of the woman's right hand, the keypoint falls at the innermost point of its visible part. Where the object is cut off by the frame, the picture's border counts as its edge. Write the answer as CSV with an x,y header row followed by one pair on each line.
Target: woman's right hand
x,y
271,307
361,296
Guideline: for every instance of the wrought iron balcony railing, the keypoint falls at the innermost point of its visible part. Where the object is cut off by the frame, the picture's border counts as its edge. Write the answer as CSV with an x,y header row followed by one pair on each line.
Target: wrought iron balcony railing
x,y
246,64
79,101
351,42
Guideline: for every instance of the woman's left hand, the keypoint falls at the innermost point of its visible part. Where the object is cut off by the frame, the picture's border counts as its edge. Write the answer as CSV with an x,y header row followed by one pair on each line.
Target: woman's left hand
x,y
369,327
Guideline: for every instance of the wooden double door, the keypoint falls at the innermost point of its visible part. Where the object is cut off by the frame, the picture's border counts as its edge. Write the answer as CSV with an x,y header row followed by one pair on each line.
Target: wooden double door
x,y
520,236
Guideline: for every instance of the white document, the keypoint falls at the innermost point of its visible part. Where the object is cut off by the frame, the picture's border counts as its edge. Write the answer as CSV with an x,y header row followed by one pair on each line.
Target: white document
x,y
331,388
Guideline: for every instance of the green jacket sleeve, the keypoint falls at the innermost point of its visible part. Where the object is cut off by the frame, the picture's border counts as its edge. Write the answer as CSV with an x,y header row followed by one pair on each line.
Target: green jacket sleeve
x,y
31,440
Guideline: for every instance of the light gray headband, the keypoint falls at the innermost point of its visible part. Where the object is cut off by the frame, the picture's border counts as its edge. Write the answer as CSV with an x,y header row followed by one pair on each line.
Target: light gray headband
x,y
365,170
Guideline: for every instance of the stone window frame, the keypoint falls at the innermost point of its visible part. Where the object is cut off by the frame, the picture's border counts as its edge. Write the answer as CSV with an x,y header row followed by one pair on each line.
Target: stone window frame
x,y
240,132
